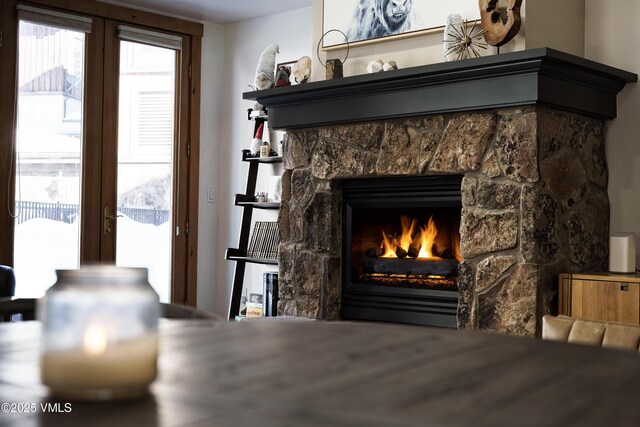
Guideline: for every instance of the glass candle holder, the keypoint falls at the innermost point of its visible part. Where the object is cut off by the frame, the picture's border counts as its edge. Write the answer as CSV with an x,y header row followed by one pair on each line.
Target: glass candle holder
x,y
99,333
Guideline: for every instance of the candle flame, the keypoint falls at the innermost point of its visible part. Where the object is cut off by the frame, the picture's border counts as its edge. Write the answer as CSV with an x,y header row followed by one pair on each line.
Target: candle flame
x,y
95,340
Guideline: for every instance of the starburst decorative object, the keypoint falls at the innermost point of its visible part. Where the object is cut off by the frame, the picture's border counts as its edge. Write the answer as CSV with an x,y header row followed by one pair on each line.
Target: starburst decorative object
x,y
462,40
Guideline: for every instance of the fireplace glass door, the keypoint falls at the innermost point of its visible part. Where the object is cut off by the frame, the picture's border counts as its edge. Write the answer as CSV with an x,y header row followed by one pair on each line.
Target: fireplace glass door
x,y
401,249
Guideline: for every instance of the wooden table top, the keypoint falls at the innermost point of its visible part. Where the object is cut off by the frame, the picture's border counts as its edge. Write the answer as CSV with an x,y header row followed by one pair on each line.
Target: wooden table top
x,y
277,373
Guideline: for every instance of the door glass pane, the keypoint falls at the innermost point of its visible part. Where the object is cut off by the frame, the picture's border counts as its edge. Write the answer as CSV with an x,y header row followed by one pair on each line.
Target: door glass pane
x,y
48,155
145,161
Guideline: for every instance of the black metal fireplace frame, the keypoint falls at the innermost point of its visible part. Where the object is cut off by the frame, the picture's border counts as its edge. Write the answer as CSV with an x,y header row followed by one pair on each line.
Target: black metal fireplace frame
x,y
395,304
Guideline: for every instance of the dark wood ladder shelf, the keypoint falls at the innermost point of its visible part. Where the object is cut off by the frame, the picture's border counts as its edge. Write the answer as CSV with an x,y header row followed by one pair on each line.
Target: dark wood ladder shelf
x,y
248,203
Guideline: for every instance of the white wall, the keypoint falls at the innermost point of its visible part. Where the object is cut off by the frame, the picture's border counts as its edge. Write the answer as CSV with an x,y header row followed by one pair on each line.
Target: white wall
x,y
210,124
613,37
243,44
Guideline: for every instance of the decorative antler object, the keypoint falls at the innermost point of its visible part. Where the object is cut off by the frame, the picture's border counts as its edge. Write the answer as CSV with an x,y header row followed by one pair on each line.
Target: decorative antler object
x,y
500,20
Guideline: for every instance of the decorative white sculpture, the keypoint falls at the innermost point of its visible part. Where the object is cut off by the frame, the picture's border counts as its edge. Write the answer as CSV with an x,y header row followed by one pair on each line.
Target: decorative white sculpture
x,y
266,70
302,69
451,29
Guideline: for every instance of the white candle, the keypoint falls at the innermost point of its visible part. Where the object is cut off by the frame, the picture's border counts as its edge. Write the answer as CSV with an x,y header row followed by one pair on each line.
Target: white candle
x,y
118,369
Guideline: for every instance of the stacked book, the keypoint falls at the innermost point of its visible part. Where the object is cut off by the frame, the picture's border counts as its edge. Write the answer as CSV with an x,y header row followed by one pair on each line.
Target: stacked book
x,y
264,240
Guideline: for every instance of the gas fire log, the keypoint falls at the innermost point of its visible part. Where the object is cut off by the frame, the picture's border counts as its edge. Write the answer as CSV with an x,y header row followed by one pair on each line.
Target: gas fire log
x,y
410,266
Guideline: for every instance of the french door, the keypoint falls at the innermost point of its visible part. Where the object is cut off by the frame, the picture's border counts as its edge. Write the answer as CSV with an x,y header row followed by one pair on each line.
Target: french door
x,y
102,167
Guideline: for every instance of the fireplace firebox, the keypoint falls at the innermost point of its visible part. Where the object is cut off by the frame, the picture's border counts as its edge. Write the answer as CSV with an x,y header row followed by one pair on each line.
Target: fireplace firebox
x,y
401,249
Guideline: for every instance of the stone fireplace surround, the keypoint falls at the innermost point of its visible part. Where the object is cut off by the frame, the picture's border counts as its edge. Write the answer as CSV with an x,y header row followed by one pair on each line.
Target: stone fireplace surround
x,y
528,140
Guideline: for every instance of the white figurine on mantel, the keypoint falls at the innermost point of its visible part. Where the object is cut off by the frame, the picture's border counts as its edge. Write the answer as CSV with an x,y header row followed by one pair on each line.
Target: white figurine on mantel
x,y
451,36
380,65
266,70
302,69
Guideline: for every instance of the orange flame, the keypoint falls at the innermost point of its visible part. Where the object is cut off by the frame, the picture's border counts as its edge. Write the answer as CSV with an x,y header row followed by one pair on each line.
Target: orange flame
x,y
388,246
427,237
407,232
424,239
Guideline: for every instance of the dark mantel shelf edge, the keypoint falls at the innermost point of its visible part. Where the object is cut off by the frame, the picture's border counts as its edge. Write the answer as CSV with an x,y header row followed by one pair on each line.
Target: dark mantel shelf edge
x,y
532,77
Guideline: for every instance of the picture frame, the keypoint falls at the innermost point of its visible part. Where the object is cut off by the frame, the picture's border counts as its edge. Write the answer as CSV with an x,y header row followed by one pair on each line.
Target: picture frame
x,y
289,64
360,28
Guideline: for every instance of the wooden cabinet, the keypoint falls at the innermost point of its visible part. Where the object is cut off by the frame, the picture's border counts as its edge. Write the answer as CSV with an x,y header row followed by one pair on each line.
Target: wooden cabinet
x,y
600,296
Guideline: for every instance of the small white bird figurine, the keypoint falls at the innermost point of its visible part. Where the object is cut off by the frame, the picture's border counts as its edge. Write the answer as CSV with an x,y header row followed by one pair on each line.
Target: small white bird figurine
x,y
302,69
266,70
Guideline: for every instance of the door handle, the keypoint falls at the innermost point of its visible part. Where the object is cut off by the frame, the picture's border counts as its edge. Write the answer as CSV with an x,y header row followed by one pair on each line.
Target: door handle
x,y
107,220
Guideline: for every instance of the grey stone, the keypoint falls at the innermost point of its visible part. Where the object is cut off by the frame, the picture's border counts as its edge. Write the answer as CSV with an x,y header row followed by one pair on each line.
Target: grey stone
x,y
490,166
483,232
323,223
491,269
593,155
463,143
302,187
283,213
468,190
428,130
297,147
334,160
332,294
510,306
565,177
557,130
539,237
466,297
587,228
366,136
497,194
296,223
517,147
399,152
286,273
433,124
309,278
287,308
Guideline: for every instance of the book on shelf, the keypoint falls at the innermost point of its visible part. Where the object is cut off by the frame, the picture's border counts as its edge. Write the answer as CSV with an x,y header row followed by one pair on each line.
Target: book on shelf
x,y
264,240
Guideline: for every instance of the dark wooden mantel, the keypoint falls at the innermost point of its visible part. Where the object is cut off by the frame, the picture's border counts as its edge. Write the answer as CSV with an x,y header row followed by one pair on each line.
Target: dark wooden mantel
x,y
531,77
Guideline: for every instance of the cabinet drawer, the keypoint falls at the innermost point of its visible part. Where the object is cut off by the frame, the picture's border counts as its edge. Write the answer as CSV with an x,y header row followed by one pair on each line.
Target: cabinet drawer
x,y
613,301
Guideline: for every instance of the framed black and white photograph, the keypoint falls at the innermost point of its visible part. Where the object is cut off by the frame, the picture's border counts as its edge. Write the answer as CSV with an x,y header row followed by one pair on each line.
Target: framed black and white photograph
x,y
367,21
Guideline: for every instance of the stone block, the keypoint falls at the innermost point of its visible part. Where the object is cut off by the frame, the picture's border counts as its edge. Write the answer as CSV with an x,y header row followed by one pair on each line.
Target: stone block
x,y
565,177
466,297
587,230
492,194
490,166
483,232
593,155
337,160
322,222
367,136
491,269
510,306
468,190
399,153
297,147
516,147
463,143
540,242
